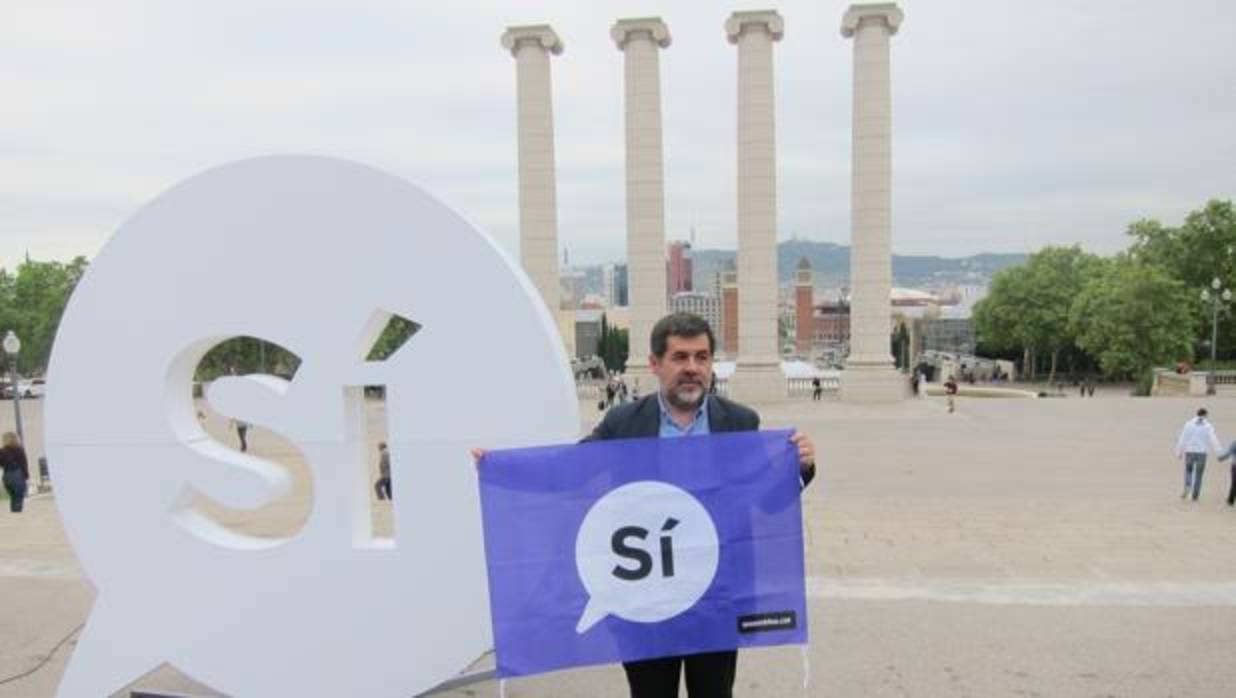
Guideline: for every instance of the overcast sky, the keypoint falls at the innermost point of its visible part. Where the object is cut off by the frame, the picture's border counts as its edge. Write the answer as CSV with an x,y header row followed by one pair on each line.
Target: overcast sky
x,y
1016,124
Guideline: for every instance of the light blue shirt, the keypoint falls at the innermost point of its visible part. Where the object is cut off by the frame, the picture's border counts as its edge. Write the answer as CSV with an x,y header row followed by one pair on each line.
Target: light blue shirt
x,y
670,428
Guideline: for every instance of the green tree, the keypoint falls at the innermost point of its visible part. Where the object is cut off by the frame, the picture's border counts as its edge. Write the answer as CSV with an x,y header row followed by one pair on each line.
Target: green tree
x,y
1134,317
1202,249
32,301
1028,306
996,316
613,346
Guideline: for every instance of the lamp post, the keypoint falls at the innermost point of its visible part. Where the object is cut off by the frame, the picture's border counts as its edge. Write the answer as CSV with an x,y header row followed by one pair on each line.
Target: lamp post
x,y
1219,297
12,345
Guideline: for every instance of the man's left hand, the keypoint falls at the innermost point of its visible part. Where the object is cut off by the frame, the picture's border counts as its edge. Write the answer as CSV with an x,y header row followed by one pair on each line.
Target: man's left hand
x,y
806,451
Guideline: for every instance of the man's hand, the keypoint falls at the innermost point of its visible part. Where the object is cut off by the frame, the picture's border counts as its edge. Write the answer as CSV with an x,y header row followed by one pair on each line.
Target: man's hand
x,y
477,454
806,451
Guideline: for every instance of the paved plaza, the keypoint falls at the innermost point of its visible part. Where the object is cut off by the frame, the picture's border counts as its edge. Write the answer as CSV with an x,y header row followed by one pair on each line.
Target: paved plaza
x,y
1015,548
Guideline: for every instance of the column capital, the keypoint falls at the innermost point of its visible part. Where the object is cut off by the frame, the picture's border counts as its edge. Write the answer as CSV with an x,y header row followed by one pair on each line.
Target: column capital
x,y
541,34
885,12
623,29
768,20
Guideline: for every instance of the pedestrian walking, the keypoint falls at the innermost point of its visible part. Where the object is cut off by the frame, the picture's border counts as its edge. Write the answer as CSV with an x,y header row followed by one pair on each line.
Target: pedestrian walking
x,y
382,487
16,471
1196,439
816,389
242,433
1231,453
950,390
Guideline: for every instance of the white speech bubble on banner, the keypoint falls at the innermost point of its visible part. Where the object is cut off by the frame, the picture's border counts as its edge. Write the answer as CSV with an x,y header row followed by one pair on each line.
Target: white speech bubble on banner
x,y
645,552
313,254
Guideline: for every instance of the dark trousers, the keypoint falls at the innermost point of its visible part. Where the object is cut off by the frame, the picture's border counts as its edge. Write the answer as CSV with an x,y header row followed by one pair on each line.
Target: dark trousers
x,y
383,488
709,675
17,493
1231,492
241,433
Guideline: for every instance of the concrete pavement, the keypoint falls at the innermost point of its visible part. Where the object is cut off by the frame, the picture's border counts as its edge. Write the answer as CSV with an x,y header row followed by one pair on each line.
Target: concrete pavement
x,y
1015,548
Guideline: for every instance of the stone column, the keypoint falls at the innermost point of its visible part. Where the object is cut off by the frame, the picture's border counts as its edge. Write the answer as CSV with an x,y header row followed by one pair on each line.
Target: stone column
x,y
640,41
869,375
757,377
538,198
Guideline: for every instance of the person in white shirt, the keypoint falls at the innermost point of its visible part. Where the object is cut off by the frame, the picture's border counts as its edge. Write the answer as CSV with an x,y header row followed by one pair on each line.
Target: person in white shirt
x,y
1197,438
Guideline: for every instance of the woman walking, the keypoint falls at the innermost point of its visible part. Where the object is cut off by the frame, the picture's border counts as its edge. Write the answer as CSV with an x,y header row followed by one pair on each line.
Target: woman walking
x,y
16,471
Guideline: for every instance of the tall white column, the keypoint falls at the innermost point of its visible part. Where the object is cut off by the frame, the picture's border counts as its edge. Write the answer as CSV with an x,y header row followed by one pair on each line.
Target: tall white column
x,y
869,376
640,41
538,197
758,376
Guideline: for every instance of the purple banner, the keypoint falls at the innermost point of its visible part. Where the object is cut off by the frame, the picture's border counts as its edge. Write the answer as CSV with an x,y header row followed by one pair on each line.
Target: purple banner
x,y
633,549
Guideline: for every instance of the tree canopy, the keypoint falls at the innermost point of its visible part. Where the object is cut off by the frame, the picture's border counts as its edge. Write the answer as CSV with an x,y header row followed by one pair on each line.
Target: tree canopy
x,y
1027,307
32,301
1137,310
1134,317
1196,253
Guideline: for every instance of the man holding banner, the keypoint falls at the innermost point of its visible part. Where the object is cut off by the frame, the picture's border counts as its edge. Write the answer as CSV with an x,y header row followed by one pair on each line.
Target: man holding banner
x,y
665,553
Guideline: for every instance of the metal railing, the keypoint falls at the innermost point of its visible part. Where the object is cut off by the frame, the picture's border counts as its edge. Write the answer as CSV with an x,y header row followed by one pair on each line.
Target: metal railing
x,y
803,387
1223,378
594,389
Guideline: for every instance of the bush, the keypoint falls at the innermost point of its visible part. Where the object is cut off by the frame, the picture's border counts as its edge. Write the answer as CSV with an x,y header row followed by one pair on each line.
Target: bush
x,y
1145,382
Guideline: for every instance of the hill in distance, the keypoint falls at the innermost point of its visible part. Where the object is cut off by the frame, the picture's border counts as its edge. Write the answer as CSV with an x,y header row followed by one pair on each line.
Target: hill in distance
x,y
831,264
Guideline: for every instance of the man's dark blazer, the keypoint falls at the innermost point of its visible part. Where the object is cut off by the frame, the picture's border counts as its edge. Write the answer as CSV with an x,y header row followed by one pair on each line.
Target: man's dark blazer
x,y
642,419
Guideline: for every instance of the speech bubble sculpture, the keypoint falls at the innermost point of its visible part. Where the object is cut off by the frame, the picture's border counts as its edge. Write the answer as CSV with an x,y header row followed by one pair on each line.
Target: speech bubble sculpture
x,y
315,255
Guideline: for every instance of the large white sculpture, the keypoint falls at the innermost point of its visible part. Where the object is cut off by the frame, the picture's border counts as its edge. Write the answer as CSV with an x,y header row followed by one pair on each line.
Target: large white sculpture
x,y
315,255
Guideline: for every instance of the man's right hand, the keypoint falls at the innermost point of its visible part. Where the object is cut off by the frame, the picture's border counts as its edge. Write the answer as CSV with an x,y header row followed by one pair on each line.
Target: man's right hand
x,y
477,454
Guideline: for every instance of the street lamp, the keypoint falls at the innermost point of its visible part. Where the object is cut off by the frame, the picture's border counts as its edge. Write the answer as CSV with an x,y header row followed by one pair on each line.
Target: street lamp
x,y
12,345
1220,296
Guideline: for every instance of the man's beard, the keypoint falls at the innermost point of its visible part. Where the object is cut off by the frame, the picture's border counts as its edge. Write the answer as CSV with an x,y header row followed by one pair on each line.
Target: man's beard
x,y
676,398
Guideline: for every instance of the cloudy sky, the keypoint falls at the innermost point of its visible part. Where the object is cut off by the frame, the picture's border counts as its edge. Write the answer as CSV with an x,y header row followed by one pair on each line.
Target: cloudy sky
x,y
1016,124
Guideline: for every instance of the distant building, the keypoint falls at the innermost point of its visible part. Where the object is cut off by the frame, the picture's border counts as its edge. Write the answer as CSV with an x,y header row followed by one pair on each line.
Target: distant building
x,y
804,307
678,268
949,335
614,284
705,305
593,301
728,335
587,332
573,283
831,327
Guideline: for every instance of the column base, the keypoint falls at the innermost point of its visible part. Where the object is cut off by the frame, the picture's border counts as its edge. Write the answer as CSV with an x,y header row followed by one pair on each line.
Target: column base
x,y
873,384
757,383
